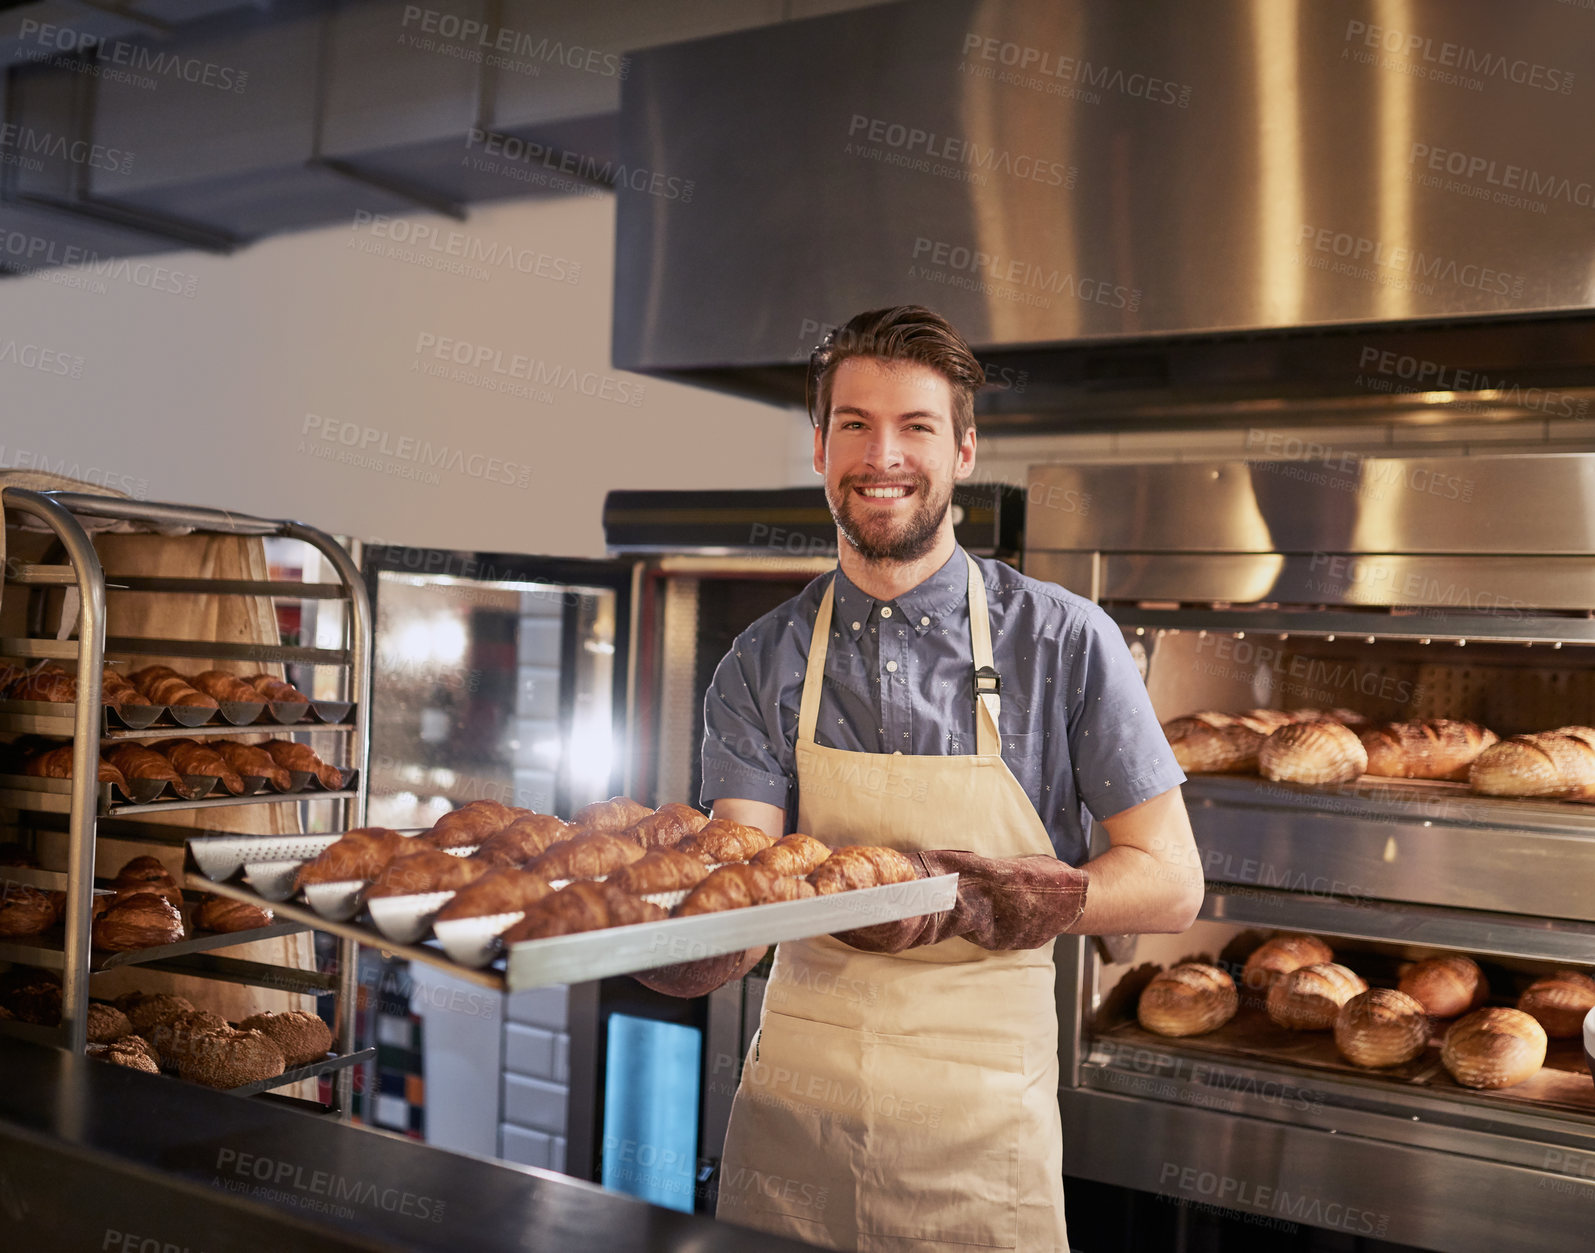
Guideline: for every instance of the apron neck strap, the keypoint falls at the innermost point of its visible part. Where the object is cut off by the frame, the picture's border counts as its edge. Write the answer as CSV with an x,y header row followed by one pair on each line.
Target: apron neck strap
x,y
988,706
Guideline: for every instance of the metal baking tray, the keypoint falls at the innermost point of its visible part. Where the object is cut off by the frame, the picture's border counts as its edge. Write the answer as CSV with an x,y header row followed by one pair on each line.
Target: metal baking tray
x,y
196,788
56,717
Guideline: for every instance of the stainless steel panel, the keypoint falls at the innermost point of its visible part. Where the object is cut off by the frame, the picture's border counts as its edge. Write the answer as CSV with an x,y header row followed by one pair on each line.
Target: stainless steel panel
x,y
1334,504
1075,571
1042,171
1465,1200
1450,627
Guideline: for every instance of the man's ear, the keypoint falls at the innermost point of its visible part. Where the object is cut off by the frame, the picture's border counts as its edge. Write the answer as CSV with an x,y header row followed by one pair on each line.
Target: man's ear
x,y
966,456
819,452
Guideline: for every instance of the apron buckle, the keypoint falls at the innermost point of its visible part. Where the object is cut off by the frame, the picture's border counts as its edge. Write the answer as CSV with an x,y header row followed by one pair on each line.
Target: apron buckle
x,y
987,683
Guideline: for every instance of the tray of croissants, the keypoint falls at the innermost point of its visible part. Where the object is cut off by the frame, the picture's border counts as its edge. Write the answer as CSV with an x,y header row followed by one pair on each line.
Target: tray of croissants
x,y
618,888
180,768
1318,746
1441,1020
162,696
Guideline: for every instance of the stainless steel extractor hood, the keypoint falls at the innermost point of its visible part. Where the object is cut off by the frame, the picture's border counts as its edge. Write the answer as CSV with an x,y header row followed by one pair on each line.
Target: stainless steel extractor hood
x,y
1240,195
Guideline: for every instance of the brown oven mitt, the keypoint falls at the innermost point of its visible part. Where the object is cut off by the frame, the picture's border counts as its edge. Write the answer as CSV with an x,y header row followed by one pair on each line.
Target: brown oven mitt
x,y
701,977
1003,903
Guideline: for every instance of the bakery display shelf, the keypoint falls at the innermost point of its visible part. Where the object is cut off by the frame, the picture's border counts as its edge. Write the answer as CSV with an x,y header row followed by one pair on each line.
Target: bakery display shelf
x,y
150,722
33,877
328,1064
288,590
1374,622
203,792
209,965
1426,926
47,950
67,650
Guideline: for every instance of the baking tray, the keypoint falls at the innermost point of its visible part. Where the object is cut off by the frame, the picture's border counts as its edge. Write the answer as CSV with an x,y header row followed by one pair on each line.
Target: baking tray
x,y
310,1070
196,787
55,717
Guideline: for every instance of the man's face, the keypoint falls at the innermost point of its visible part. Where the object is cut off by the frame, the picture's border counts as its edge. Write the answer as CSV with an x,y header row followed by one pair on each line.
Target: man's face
x,y
890,461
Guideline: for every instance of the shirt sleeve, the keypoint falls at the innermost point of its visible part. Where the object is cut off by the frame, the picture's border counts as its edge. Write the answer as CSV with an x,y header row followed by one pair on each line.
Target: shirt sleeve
x,y
1120,754
745,755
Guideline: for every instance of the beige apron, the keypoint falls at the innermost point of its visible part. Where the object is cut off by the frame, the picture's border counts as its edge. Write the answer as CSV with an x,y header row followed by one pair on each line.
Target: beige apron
x,y
904,1102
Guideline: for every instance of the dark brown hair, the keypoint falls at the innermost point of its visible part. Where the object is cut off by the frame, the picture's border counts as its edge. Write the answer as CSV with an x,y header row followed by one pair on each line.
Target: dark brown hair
x,y
903,333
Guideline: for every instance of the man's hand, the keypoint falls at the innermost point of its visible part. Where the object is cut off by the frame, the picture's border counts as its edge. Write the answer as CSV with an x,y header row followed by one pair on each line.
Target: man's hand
x,y
1003,903
701,977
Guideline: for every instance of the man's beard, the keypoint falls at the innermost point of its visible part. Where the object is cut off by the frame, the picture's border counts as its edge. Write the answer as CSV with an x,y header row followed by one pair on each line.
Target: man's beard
x,y
890,540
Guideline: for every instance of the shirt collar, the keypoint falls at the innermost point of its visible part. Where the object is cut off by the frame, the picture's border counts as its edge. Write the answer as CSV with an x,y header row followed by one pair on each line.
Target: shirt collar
x,y
921,607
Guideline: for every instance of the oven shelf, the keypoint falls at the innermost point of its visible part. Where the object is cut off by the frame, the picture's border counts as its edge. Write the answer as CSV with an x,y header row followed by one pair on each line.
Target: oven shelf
x,y
1513,628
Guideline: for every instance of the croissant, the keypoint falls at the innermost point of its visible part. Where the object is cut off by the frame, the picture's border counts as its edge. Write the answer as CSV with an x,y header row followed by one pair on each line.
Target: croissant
x,y
191,757
56,763
147,874
667,826
10,673
361,854
795,854
1430,748
173,689
522,840
583,906
470,824
722,840
149,674
137,762
224,685
116,690
292,756
274,689
611,816
1217,750
1558,764
1312,752
49,682
660,870
252,760
585,857
497,892
222,913
740,885
426,870
142,920
861,866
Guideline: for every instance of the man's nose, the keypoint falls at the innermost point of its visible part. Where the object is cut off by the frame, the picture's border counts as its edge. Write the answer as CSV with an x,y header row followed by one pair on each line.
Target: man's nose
x,y
884,450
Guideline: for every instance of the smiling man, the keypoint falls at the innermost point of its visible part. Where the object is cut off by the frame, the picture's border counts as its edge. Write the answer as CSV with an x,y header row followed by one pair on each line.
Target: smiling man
x,y
902,1090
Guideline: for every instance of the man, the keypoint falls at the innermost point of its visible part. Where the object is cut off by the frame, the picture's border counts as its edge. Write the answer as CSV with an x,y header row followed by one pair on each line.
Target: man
x,y
902,1090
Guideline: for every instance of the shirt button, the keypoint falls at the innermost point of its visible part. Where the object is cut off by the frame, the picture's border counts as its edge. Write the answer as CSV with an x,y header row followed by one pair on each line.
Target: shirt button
x,y
892,666
856,625
924,622
886,611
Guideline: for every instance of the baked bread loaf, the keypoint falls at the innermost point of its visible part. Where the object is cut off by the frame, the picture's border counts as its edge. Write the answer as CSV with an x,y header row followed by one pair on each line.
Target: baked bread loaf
x,y
147,874
469,825
1445,986
1263,721
302,1036
32,995
274,689
861,866
1309,998
1188,999
660,870
612,816
1494,1048
145,1009
222,913
225,685
142,920
585,857
795,854
128,1051
191,757
294,756
1559,1002
231,1059
253,760
667,826
1217,750
721,840
361,854
106,1023
582,906
505,891
1312,752
1381,1027
56,763
738,885
522,841
24,910
426,870
1430,748
1281,955
1559,764
175,1037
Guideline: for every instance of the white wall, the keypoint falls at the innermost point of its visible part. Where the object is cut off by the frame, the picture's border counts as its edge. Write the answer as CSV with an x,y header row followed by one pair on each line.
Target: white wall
x,y
208,399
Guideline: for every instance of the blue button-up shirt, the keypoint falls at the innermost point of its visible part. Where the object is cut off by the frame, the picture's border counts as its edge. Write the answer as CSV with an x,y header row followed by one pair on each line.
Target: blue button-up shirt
x,y
1078,729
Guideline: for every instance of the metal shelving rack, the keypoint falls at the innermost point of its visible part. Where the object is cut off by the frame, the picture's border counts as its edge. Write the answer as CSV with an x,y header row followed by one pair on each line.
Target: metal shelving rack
x,y
90,816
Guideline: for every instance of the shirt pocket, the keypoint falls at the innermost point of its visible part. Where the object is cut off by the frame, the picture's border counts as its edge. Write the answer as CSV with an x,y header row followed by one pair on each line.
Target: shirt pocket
x,y
1022,752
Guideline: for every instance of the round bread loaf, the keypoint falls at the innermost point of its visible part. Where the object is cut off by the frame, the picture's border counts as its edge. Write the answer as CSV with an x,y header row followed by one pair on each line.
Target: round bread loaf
x,y
231,1059
1494,1048
107,1023
302,1036
145,1009
1381,1027
1281,955
1312,752
24,910
1447,985
1187,999
1309,998
1559,1002
126,1052
176,1037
